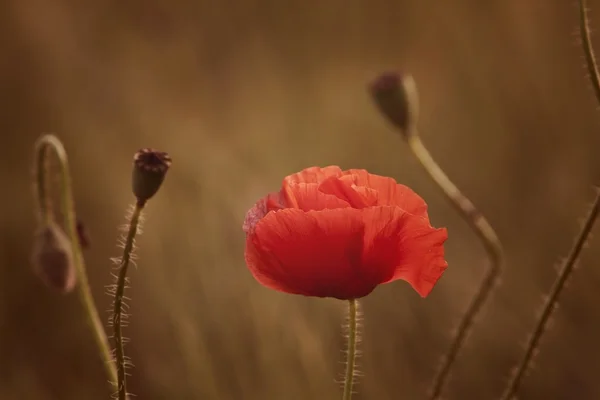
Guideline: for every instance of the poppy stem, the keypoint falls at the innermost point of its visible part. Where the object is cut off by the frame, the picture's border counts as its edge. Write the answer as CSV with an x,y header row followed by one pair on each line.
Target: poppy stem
x,y
550,304
490,241
43,146
118,305
569,264
351,351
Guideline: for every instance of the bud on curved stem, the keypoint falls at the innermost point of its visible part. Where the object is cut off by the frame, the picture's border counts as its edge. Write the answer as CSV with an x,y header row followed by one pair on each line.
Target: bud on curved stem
x,y
44,146
396,97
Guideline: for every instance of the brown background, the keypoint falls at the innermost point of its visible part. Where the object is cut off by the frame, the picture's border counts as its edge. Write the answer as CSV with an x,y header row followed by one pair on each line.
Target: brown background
x,y
244,93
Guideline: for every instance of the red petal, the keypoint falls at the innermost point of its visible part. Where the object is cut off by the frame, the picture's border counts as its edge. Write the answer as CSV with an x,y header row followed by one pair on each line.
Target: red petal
x,y
271,202
316,253
390,193
347,192
405,244
313,175
308,197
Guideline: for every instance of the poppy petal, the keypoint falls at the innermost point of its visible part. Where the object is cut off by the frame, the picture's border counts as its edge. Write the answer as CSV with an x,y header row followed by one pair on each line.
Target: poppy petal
x,y
271,202
345,191
403,246
315,253
308,197
390,192
313,175
423,263
261,266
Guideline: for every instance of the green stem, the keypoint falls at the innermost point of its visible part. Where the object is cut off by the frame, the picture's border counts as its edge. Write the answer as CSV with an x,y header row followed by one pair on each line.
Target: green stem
x,y
490,242
352,344
46,214
118,303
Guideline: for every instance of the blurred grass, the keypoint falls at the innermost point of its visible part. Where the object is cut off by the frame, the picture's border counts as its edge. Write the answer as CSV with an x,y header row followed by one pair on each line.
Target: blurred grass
x,y
243,93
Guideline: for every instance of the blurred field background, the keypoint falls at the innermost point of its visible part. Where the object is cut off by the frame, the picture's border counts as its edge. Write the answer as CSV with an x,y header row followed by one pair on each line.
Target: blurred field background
x,y
242,94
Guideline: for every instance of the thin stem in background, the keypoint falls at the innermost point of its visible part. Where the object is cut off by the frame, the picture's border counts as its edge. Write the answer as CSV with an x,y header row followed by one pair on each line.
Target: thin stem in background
x,y
46,214
550,304
117,317
396,96
352,345
569,265
492,246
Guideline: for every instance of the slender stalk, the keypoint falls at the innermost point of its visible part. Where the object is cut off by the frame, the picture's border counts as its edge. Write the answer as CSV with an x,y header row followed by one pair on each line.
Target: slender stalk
x,y
43,147
119,295
42,184
352,345
569,265
490,241
550,304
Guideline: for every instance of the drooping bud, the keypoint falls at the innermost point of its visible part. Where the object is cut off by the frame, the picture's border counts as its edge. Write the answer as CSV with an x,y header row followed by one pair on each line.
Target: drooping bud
x,y
52,258
396,97
149,170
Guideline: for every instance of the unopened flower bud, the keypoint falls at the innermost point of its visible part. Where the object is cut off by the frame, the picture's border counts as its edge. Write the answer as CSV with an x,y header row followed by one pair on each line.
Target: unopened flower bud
x,y
149,170
397,98
53,258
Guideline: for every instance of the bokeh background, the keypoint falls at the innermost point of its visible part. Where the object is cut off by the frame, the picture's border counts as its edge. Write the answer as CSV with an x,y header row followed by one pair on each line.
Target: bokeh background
x,y
242,93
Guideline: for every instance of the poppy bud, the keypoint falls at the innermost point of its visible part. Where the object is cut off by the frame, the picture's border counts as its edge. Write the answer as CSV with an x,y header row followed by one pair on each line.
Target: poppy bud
x,y
149,170
53,258
397,98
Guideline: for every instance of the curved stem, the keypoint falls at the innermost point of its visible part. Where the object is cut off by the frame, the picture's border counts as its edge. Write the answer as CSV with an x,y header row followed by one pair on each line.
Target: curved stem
x,y
42,184
119,295
569,265
42,150
352,344
490,241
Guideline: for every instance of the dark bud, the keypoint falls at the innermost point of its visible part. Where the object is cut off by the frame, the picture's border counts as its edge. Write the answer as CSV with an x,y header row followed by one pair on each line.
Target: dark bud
x,y
53,258
149,170
396,97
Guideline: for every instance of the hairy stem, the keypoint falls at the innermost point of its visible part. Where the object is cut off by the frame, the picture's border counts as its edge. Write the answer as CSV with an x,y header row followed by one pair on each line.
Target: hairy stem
x,y
490,241
352,344
118,303
44,145
550,304
569,264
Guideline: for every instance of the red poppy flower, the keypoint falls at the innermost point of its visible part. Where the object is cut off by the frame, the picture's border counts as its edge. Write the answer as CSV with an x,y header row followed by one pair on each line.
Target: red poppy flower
x,y
334,233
